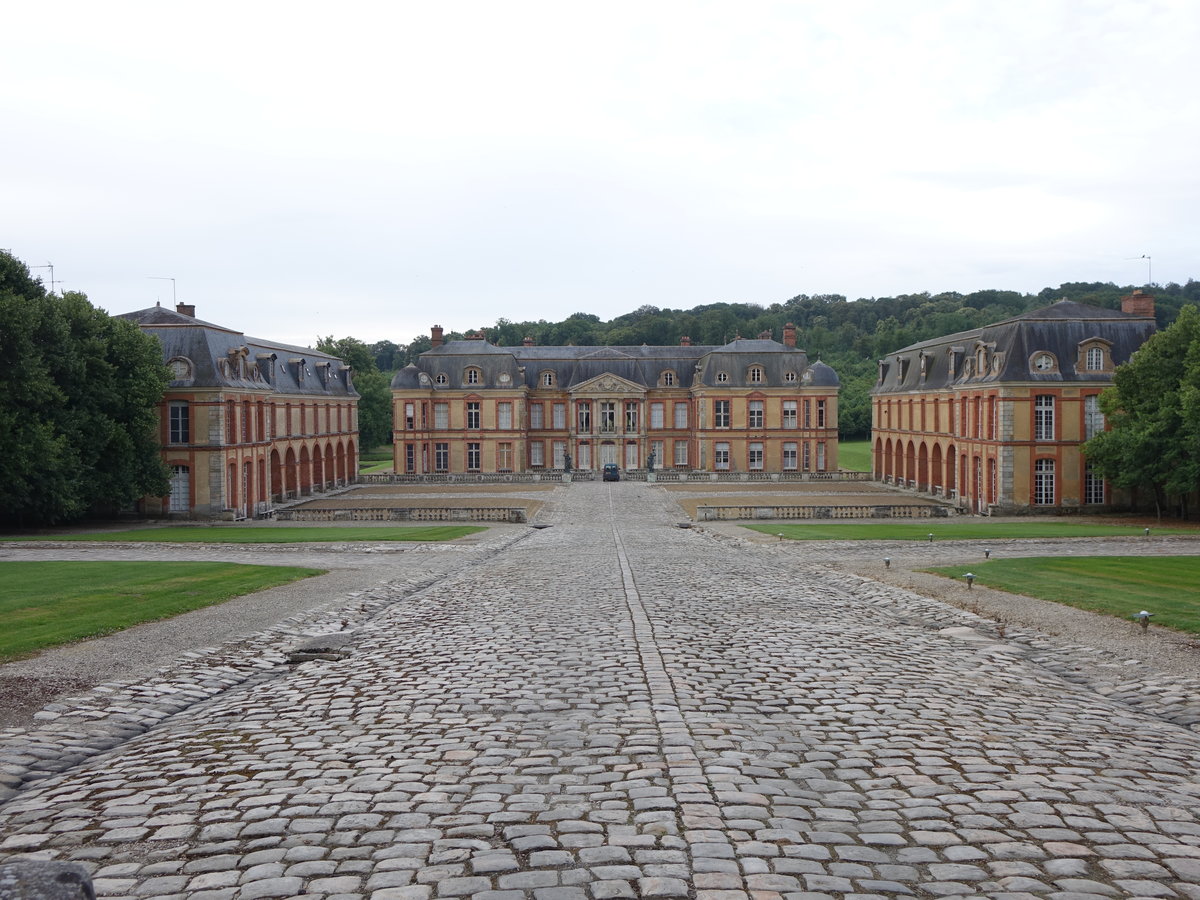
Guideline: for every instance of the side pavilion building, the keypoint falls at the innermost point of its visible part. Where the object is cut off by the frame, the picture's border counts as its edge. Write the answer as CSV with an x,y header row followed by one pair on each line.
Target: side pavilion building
x,y
994,418
750,406
245,422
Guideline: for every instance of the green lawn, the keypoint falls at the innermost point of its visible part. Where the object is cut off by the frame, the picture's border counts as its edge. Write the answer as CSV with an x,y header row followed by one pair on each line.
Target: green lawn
x,y
1168,586
267,534
854,456
43,604
953,530
377,459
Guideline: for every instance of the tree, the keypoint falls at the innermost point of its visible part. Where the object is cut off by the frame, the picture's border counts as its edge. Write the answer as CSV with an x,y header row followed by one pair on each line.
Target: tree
x,y
374,389
78,396
1153,409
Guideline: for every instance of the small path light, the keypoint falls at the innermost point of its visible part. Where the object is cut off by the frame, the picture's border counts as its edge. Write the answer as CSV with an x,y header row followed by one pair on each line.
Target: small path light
x,y
987,553
931,537
887,562
780,535
1143,619
1147,532
970,576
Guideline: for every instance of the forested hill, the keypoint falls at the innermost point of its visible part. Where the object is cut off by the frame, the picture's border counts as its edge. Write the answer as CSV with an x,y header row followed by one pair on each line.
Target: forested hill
x,y
848,335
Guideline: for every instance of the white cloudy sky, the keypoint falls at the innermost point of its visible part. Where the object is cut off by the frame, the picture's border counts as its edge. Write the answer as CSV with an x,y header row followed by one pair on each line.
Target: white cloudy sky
x,y
369,169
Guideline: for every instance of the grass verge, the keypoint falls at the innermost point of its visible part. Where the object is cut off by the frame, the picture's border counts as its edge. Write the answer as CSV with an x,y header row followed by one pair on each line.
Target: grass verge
x,y
1121,586
235,534
949,530
44,604
854,456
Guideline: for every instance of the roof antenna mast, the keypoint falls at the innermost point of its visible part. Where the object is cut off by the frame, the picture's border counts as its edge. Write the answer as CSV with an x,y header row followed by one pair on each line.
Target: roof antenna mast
x,y
1149,267
174,300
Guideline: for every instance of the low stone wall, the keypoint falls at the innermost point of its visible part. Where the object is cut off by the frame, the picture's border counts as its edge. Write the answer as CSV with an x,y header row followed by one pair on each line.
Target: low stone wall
x,y
894,511
406,514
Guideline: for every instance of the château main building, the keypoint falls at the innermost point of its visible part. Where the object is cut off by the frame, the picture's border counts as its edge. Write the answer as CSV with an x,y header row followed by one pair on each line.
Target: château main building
x,y
748,406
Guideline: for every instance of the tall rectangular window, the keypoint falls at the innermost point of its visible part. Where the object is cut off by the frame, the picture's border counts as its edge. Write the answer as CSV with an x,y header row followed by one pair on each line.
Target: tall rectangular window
x,y
1095,360
789,414
608,417
410,416
721,456
410,458
584,417
535,417
656,415
721,414
1093,486
441,457
977,403
441,416
631,455
756,414
559,412
681,415
1043,417
504,457
559,449
473,414
656,449
993,419
789,456
820,456
631,416
681,453
808,414
180,424
807,455
504,418
473,457
1093,418
537,454
821,413
755,459
1043,482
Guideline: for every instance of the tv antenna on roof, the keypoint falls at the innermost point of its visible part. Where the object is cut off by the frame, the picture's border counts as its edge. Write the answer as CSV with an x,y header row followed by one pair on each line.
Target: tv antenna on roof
x,y
1149,267
50,266
165,278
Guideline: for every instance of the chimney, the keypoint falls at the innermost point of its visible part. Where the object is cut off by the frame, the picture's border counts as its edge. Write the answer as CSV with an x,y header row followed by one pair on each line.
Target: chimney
x,y
435,336
189,309
528,342
789,335
1139,303
764,335
685,341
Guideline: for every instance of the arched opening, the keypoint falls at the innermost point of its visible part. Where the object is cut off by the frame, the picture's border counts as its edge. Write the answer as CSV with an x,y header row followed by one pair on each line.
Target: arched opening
x,y
910,465
951,469
291,481
935,469
277,485
318,468
341,463
305,473
330,471
877,462
923,468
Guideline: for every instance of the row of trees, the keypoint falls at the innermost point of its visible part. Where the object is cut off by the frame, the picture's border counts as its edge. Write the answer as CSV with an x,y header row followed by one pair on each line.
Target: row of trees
x,y
78,389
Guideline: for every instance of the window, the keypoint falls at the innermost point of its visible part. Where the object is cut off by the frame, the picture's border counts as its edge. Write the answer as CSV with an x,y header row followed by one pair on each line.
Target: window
x,y
789,377
668,378
681,453
820,456
441,416
608,417
535,416
559,450
537,454
721,456
789,456
656,415
410,416
441,457
993,422
441,378
1043,417
756,414
473,414
631,415
473,457
721,414
681,415
583,459
1093,486
1095,360
789,413
1093,418
410,458
180,427
631,455
504,418
504,457
180,499
559,413
977,403
231,436
821,414
755,375
722,377
808,414
755,459
547,379
585,418
472,376
807,456
656,448
1043,482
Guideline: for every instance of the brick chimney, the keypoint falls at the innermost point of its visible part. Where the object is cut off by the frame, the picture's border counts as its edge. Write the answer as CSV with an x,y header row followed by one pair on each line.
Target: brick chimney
x,y
435,336
189,309
528,342
789,335
765,335
1139,303
685,341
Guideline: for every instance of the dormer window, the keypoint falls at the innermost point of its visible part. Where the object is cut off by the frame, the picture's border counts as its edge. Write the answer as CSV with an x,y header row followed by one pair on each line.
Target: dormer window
x,y
789,377
181,368
722,377
981,366
755,375
472,375
903,363
546,379
667,379
924,366
1095,355
441,378
1043,363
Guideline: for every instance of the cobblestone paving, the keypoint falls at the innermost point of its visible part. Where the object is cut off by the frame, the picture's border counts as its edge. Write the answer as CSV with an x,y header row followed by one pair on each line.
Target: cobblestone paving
x,y
615,707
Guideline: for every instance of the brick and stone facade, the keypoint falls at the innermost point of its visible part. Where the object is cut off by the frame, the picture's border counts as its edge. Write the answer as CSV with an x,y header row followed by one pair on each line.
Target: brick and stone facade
x,y
748,406
247,423
994,418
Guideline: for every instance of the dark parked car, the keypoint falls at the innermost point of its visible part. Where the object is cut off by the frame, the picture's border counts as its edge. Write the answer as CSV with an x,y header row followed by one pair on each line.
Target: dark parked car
x,y
611,472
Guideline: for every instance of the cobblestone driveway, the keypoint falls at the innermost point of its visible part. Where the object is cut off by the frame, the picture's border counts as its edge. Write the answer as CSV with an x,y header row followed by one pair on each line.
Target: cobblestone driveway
x,y
616,707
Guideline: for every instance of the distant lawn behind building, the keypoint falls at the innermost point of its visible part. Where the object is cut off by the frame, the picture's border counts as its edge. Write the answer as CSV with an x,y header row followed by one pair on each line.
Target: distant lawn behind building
x,y
854,456
44,604
266,534
375,460
953,530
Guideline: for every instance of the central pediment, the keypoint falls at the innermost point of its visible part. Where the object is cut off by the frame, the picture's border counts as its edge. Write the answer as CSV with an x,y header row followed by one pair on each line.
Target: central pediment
x,y
608,383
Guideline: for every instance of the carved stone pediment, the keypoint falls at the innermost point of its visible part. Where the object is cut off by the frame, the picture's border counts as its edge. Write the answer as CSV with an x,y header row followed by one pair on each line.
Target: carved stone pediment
x,y
608,384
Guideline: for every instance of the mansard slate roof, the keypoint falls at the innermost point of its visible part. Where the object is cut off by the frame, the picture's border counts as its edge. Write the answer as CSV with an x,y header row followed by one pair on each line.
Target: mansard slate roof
x,y
692,364
1011,344
223,358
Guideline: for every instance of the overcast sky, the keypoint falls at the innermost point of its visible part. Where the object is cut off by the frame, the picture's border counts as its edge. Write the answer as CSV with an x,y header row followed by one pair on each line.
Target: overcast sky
x,y
370,169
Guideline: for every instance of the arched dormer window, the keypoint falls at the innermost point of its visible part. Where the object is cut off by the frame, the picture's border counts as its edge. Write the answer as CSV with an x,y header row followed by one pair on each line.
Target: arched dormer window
x,y
1095,355
754,375
546,379
722,377
181,368
789,377
441,378
472,375
667,378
